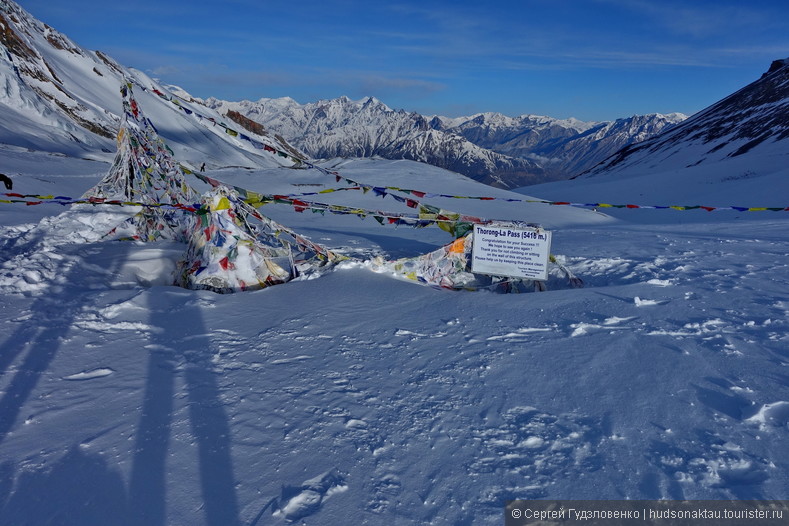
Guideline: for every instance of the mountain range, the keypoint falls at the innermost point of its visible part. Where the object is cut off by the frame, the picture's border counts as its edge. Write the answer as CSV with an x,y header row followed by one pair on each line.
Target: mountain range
x,y
57,97
489,147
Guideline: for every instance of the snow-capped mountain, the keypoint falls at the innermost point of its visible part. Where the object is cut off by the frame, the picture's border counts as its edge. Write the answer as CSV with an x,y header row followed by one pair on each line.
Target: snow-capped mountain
x,y
562,147
58,97
753,121
367,128
490,147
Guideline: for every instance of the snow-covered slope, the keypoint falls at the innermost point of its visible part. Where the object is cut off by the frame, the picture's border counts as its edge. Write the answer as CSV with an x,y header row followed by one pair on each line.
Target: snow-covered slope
x,y
58,97
489,147
733,154
580,152
753,121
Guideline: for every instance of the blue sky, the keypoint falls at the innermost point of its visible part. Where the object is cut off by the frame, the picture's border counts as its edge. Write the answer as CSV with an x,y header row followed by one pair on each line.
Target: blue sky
x,y
589,59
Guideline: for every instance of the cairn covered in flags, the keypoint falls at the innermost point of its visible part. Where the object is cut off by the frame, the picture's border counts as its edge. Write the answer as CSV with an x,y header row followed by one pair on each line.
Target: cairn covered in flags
x,y
230,245
145,174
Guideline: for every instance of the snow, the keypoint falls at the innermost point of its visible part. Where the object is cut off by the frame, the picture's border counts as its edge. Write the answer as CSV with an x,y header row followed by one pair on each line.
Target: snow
x,y
357,398
87,83
353,397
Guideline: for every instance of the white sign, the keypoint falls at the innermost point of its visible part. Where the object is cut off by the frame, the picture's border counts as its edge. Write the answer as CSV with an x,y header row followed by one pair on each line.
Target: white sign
x,y
511,251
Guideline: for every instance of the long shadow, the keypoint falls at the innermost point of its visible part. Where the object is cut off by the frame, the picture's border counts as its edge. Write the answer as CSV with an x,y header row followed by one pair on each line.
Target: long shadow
x,y
79,488
41,335
183,340
148,485
15,344
25,242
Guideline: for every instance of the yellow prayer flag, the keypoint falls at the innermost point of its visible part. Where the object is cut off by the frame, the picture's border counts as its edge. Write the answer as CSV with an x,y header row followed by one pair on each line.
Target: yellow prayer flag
x,y
223,204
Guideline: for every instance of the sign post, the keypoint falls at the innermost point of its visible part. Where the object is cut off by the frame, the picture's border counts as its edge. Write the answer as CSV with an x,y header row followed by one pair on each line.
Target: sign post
x,y
513,251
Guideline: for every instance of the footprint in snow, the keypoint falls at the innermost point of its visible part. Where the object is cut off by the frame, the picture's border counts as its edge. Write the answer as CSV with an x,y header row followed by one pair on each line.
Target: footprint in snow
x,y
534,446
771,415
298,502
711,462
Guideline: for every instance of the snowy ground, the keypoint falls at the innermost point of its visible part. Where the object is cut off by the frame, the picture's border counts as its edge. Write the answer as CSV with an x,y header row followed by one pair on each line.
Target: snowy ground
x,y
358,398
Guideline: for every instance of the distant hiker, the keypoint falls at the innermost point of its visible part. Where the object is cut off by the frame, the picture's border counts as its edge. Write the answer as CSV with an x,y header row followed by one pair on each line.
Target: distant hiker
x,y
202,167
6,181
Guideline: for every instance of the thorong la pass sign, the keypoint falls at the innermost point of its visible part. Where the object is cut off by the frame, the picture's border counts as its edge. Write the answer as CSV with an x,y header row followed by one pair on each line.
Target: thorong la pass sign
x,y
516,252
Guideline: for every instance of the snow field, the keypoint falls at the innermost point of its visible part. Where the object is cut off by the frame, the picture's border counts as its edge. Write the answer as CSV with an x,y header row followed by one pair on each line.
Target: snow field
x,y
357,397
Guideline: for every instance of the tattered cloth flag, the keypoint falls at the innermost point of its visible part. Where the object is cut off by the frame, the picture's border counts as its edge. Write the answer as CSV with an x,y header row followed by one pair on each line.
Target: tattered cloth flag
x,y
449,267
145,173
227,253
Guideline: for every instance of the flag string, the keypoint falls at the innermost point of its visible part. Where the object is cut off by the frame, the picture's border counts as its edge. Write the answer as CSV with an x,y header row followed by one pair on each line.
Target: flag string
x,y
36,199
385,190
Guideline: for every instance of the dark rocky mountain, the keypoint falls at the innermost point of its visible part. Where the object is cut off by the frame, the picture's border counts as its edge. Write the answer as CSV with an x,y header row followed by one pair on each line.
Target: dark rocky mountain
x,y
754,119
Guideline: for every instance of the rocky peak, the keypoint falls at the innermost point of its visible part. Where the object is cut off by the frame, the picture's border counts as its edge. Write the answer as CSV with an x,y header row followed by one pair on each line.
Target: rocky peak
x,y
776,65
